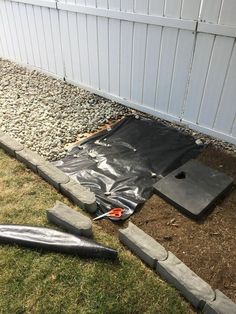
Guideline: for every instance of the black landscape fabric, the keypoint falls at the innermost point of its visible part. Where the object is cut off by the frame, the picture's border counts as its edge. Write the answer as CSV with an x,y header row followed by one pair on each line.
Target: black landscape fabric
x,y
53,240
121,165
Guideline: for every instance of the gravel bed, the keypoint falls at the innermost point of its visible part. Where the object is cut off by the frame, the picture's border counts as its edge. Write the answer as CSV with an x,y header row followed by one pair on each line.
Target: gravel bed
x,y
46,114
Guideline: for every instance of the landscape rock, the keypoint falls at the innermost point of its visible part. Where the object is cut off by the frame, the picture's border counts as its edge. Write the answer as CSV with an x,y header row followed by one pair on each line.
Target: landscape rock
x,y
149,250
70,220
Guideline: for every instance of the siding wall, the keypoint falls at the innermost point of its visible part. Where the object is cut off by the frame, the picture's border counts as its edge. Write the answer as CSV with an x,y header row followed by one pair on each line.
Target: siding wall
x,y
172,58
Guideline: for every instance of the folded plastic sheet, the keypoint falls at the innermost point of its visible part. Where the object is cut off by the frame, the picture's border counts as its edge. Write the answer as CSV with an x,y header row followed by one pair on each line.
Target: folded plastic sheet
x,y
121,165
53,240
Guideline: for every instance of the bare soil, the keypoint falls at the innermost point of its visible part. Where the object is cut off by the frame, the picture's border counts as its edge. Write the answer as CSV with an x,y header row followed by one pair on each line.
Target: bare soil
x,y
208,246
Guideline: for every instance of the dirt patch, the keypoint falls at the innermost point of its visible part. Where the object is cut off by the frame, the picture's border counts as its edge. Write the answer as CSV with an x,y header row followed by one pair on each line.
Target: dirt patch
x,y
208,247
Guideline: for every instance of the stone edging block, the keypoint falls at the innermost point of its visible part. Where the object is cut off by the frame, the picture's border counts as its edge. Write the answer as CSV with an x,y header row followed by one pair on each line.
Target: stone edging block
x,y
195,289
52,174
31,159
9,144
149,250
70,220
79,195
73,190
221,305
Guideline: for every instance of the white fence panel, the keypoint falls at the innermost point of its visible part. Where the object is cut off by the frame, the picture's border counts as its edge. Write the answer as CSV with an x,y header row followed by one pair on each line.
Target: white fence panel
x,y
208,104
164,57
114,32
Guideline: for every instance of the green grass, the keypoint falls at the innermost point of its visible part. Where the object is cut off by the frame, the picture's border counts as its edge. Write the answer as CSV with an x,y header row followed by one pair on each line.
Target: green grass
x,y
36,282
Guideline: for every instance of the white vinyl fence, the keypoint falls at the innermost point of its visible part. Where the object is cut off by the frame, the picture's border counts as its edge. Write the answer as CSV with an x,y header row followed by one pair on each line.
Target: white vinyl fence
x,y
175,59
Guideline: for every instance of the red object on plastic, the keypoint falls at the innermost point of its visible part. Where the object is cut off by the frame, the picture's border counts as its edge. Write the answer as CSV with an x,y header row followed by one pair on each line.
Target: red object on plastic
x,y
113,213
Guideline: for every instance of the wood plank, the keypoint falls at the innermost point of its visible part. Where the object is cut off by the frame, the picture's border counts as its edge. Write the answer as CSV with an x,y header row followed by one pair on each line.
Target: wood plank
x,y
103,47
141,6
48,40
228,13
227,108
91,3
114,50
126,51
130,17
33,35
191,9
139,53
201,60
167,57
74,47
127,5
83,46
65,42
215,80
234,130
114,4
80,2
41,3
5,49
12,31
93,49
126,58
40,38
153,49
1,47
210,11
181,72
173,8
102,4
16,17
217,29
25,28
156,7
57,42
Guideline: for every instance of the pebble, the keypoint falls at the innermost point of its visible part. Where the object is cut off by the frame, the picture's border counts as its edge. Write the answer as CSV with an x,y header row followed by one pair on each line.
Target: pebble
x,y
199,142
45,114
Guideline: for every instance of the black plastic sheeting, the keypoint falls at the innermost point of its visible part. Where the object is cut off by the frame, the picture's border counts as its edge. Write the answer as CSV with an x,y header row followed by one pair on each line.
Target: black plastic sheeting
x,y
121,165
53,240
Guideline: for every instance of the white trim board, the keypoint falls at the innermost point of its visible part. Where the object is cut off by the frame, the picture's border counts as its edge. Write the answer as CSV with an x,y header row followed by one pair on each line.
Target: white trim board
x,y
216,29
128,16
42,3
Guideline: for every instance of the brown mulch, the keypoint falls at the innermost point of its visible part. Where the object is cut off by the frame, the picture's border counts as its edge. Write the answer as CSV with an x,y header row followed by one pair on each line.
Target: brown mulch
x,y
208,247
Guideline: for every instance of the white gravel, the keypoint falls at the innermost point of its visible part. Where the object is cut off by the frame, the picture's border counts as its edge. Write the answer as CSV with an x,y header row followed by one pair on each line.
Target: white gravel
x,y
45,114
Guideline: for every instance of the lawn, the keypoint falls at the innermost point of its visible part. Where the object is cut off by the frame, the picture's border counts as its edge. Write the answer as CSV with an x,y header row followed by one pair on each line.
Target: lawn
x,y
39,282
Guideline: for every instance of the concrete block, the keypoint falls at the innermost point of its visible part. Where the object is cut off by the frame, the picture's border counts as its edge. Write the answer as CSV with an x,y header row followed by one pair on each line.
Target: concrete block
x,y
149,250
10,145
185,280
221,305
79,195
52,174
193,188
70,220
30,159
